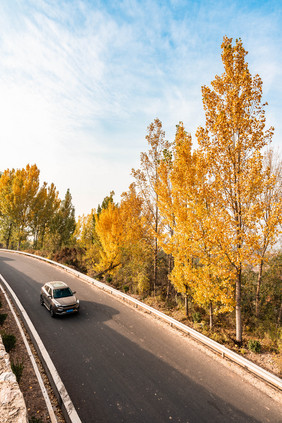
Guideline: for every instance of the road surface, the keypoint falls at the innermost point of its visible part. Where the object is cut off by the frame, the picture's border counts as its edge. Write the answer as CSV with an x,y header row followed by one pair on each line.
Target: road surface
x,y
121,365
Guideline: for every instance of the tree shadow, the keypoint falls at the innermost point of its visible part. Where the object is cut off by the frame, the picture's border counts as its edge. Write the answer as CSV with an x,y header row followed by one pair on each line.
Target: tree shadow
x,y
110,378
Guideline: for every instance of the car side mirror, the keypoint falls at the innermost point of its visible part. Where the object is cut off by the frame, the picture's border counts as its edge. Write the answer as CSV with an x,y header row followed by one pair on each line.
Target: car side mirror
x,y
74,292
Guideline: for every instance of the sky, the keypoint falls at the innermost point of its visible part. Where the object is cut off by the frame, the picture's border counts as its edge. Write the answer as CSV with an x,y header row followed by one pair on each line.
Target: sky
x,y
81,80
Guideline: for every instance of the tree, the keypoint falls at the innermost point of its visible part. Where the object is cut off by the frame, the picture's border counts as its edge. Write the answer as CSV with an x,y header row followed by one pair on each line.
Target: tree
x,y
25,186
45,205
231,143
107,200
136,248
63,223
109,228
269,225
146,179
7,209
184,203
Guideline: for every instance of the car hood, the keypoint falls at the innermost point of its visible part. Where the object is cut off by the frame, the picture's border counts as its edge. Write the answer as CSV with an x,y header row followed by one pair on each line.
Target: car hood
x,y
66,301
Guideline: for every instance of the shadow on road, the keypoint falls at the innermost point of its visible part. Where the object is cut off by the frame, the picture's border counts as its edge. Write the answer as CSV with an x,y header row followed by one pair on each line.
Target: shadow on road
x,y
112,379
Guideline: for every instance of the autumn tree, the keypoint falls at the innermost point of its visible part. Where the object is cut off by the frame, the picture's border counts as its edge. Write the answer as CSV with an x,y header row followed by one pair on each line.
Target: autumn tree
x,y
109,229
7,209
270,209
106,201
146,179
62,225
44,207
184,203
18,188
136,249
123,243
232,142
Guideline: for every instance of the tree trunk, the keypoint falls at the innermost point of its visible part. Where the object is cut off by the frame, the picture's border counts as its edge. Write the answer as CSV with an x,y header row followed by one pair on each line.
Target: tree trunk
x,y
186,305
155,266
238,306
9,236
279,315
211,316
170,267
258,287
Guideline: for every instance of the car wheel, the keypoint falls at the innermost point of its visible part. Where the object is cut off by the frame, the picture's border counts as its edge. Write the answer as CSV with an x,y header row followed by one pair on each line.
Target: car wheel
x,y
41,300
52,312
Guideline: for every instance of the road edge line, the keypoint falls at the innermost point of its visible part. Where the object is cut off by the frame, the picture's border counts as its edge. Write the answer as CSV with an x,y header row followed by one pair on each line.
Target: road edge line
x,y
31,356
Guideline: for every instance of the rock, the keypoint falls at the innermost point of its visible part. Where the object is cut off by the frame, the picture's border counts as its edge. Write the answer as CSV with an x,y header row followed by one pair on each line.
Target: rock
x,y
12,404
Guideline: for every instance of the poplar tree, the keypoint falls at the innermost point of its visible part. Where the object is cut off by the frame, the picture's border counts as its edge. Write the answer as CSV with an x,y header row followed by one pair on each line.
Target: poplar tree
x,y
270,208
146,179
185,203
232,142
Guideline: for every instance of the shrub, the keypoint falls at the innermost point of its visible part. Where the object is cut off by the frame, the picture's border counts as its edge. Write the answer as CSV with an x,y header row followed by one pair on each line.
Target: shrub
x,y
254,345
9,341
17,369
35,420
3,318
197,317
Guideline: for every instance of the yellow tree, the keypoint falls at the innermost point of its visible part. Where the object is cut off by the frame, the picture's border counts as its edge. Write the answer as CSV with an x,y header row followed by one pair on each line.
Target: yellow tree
x,y
231,143
7,209
136,249
270,210
24,189
146,179
185,202
173,203
122,242
44,206
109,229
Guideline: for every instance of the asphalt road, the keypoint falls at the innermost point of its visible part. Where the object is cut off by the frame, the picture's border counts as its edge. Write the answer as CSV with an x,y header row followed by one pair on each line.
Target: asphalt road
x,y
121,365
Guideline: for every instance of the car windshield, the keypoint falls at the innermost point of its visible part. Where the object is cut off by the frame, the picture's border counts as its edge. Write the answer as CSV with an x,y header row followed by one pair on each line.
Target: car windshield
x,y
61,293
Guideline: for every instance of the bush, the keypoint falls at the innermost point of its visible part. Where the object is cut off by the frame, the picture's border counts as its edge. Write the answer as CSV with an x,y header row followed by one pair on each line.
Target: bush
x,y
17,369
35,420
9,341
254,345
3,318
196,317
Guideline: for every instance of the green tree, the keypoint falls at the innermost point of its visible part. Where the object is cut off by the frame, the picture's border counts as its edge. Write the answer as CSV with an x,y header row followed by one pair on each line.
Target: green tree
x,y
63,224
45,205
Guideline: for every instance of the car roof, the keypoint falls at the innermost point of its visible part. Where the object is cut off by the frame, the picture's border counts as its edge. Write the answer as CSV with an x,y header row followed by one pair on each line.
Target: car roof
x,y
57,284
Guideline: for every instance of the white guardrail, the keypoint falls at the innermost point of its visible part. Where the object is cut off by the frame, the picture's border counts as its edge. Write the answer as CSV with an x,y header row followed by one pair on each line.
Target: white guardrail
x,y
215,346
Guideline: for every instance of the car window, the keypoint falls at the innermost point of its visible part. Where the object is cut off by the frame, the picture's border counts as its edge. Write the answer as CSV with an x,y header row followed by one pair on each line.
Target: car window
x,y
61,293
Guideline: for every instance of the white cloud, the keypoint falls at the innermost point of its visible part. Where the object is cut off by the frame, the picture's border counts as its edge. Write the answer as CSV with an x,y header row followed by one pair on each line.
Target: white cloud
x,y
79,83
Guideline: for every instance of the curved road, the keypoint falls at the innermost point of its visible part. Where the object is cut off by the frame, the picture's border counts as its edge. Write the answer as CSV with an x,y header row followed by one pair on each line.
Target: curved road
x,y
119,365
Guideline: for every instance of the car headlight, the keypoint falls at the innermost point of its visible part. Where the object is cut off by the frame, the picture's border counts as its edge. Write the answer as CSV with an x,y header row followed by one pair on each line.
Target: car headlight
x,y
60,309
77,302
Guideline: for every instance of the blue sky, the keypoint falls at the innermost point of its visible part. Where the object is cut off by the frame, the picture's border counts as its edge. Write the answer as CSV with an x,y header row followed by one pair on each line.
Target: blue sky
x,y
80,81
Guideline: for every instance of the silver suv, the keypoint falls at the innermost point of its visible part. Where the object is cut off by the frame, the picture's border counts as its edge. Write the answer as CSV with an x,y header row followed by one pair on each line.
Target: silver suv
x,y
58,298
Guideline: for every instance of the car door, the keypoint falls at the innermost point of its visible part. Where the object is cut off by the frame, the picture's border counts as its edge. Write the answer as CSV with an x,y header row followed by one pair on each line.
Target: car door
x,y
48,296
